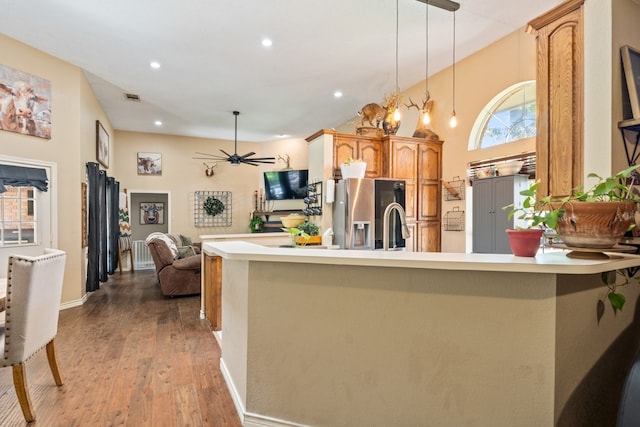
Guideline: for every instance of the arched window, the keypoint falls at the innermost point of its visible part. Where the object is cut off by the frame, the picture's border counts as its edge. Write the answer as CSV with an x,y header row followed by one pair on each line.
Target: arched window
x,y
509,116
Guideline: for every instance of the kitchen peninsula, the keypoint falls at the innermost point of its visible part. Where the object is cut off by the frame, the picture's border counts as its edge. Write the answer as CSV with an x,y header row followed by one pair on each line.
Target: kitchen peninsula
x,y
371,338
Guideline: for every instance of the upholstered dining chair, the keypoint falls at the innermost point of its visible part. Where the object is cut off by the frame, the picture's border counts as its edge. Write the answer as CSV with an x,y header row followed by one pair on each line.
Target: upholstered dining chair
x,y
34,289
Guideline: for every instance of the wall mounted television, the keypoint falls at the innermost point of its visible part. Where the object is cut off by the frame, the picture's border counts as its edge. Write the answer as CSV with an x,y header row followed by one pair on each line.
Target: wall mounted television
x,y
286,185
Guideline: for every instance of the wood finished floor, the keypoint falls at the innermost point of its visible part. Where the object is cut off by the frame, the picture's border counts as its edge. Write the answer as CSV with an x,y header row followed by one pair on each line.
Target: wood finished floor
x,y
128,357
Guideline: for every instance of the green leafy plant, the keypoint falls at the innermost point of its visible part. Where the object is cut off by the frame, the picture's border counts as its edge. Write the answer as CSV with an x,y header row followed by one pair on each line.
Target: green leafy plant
x,y
295,232
616,188
310,228
256,224
610,279
533,210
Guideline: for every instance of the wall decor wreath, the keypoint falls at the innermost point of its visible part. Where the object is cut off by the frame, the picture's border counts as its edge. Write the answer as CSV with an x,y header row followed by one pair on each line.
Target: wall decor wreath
x,y
213,206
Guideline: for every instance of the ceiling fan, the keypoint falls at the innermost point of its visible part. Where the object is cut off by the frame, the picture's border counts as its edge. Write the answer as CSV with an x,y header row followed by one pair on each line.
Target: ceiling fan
x,y
234,158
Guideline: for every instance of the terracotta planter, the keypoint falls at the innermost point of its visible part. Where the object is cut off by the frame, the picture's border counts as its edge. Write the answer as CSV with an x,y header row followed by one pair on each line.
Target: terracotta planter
x,y
524,242
597,225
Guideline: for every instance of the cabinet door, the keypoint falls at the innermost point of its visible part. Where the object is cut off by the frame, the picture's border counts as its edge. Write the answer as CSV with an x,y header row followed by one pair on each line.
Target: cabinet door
x,y
212,276
343,149
404,165
429,236
503,195
429,187
483,215
560,98
371,152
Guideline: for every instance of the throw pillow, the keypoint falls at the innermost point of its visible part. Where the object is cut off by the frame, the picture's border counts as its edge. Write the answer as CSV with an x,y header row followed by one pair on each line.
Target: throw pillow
x,y
185,251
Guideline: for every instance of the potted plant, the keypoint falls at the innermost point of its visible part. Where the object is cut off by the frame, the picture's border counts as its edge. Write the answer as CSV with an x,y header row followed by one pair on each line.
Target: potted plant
x,y
600,216
312,230
525,241
298,237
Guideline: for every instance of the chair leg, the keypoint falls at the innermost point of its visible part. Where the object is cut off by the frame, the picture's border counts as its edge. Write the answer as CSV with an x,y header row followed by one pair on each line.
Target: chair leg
x,y
53,362
120,260
131,258
20,384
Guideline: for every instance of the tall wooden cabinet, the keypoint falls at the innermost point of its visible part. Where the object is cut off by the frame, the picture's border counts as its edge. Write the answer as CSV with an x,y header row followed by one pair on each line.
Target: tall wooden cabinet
x,y
419,163
559,98
489,219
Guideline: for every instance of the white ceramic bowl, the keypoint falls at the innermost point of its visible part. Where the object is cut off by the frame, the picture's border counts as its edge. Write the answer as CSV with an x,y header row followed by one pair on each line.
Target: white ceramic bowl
x,y
509,168
292,221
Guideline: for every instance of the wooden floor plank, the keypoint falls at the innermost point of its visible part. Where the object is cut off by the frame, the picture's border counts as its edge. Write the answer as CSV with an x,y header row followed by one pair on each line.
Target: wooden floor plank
x,y
129,357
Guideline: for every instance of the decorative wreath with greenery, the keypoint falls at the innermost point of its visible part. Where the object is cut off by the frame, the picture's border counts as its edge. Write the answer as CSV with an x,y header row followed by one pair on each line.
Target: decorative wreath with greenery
x,y
213,206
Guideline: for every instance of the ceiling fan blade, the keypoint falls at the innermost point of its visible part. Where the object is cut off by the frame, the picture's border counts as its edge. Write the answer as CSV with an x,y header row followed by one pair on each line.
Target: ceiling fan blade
x,y
263,159
248,155
210,158
227,154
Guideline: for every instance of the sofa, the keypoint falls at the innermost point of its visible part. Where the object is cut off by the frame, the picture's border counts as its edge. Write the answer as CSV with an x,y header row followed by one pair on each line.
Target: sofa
x,y
177,267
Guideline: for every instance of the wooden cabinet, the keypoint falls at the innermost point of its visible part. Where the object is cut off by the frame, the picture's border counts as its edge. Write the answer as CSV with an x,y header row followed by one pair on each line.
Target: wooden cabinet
x,y
212,296
559,98
489,219
416,161
366,148
419,163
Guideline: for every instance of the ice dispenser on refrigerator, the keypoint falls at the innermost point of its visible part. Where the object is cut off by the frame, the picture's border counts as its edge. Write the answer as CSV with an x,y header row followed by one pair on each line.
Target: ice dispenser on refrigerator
x,y
353,213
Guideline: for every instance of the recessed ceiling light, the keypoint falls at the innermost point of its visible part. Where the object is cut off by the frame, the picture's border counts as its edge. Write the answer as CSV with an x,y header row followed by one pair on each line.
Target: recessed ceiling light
x,y
267,42
154,64
157,123
337,94
282,135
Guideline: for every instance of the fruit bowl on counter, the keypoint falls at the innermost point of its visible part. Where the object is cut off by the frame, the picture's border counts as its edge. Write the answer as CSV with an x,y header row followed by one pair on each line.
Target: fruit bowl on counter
x,y
292,220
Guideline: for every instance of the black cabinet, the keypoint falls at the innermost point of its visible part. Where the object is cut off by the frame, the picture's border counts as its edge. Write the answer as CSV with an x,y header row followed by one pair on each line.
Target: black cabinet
x,y
489,219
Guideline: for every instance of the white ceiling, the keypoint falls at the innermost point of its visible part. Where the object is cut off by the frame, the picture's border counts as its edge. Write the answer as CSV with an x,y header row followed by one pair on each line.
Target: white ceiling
x,y
213,61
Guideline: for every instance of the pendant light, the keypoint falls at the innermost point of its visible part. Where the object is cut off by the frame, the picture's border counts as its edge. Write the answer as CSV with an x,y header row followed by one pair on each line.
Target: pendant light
x,y
396,113
453,122
426,119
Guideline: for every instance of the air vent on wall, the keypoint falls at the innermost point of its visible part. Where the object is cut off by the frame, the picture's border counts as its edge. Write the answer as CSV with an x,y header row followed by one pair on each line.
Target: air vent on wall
x,y
132,97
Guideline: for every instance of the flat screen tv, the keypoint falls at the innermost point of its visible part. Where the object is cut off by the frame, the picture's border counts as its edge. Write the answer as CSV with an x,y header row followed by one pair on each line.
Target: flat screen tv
x,y
286,185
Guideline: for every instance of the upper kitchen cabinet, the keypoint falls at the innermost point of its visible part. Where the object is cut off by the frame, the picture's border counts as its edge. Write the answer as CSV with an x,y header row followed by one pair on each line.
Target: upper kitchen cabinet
x,y
560,106
367,148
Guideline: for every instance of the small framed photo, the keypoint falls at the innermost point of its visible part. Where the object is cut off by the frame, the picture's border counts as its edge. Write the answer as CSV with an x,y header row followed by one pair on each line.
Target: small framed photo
x,y
102,145
631,66
149,164
151,213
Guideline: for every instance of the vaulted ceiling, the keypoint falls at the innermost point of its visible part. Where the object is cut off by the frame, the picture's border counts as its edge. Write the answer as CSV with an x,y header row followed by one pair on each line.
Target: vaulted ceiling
x,y
212,61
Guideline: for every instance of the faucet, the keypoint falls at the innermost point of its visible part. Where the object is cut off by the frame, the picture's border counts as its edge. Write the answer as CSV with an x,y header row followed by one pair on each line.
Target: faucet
x,y
385,223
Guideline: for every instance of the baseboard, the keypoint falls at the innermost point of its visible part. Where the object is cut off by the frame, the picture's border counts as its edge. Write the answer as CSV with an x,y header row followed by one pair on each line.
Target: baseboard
x,y
232,389
254,420
249,419
75,303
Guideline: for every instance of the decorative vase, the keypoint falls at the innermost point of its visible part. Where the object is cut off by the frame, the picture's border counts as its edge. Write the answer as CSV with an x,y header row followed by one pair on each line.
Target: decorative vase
x,y
390,127
524,242
594,225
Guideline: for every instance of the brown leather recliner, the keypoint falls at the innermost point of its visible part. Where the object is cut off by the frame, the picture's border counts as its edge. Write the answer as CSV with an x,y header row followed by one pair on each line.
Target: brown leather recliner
x,y
176,276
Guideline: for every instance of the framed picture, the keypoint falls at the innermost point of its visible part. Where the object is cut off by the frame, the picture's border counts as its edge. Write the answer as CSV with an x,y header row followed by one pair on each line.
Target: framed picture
x,y
102,145
151,213
149,164
631,66
24,103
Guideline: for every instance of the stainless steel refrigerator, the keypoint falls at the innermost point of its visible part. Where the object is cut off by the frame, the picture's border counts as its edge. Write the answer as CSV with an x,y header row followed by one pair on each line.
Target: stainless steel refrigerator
x,y
354,213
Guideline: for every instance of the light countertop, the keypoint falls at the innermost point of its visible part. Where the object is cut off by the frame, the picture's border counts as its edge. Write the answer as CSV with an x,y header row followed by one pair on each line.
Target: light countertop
x,y
555,262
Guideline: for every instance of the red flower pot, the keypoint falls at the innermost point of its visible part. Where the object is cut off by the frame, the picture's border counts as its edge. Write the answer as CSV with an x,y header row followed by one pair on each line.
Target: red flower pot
x,y
524,242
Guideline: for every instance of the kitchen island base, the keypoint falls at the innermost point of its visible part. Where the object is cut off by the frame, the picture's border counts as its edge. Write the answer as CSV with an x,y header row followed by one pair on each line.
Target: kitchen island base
x,y
360,345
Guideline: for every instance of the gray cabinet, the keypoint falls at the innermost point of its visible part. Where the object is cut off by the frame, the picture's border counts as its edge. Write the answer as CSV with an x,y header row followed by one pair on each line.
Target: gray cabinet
x,y
489,219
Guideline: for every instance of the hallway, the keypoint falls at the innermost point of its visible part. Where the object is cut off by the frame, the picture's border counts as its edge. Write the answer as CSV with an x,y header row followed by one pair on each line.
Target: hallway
x,y
129,357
